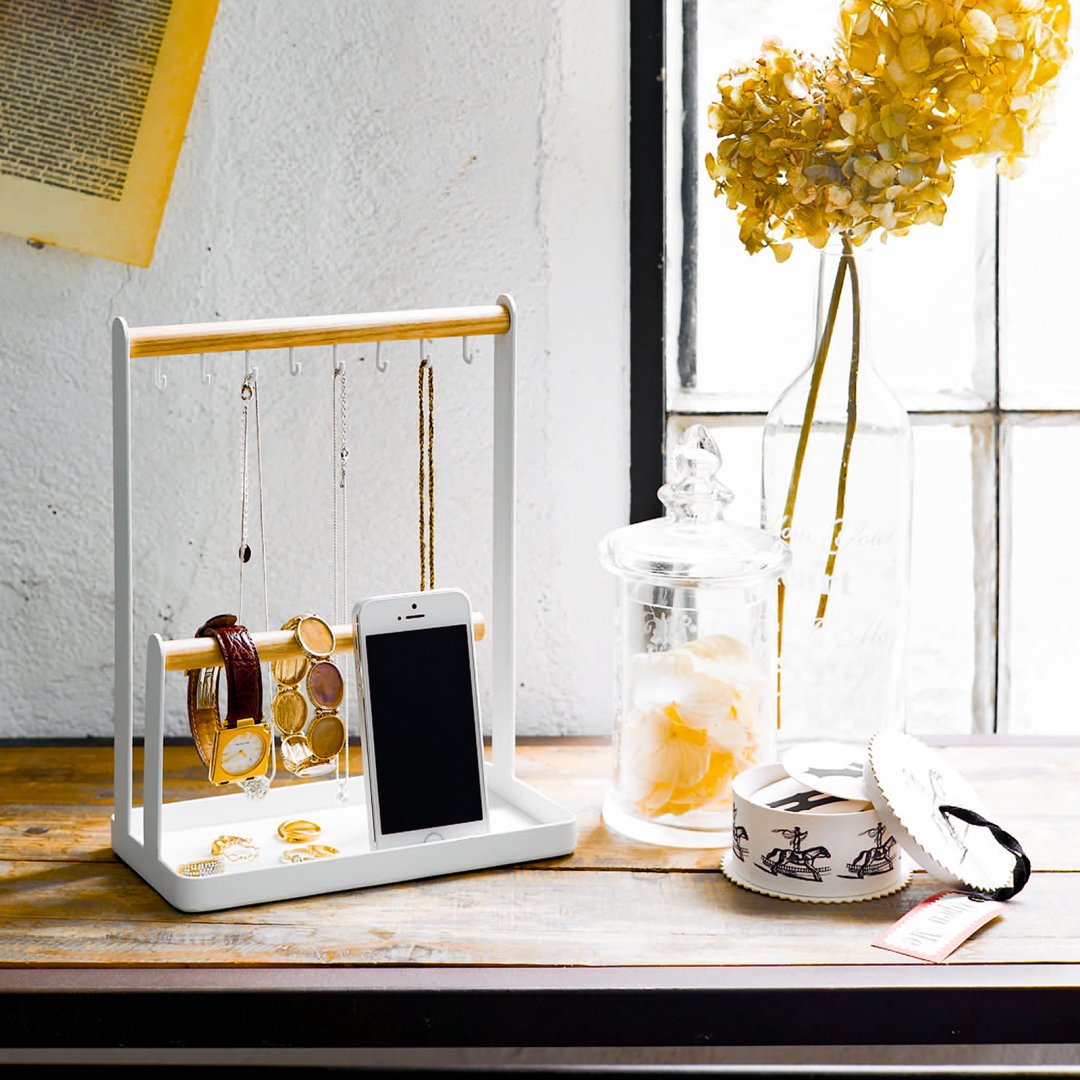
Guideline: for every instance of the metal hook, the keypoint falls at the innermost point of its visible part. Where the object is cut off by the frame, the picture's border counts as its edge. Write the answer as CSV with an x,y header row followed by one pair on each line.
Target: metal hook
x,y
250,371
295,366
207,374
338,364
422,350
467,356
160,381
380,364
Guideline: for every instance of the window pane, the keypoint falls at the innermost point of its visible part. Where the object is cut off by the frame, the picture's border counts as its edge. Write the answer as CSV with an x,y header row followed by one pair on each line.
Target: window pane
x,y
1041,625
950,458
933,345
1042,237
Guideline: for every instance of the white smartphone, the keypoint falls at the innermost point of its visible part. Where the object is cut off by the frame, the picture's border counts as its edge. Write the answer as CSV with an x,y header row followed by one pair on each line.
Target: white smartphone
x,y
422,741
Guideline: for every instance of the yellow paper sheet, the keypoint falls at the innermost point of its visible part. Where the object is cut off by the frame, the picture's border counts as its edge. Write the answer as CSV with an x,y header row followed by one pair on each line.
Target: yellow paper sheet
x,y
94,100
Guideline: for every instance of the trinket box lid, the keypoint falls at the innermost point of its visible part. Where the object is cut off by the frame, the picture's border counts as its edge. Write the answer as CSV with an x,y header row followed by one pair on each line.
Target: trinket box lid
x,y
833,768
909,783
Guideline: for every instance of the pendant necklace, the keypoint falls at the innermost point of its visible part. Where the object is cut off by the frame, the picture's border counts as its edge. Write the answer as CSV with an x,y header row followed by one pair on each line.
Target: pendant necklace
x,y
339,461
255,787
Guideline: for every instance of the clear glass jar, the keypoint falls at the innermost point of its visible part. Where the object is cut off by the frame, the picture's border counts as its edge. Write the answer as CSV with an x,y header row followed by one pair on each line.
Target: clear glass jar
x,y
695,657
836,484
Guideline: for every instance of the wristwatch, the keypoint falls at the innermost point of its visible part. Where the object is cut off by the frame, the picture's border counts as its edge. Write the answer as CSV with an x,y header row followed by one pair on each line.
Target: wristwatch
x,y
238,747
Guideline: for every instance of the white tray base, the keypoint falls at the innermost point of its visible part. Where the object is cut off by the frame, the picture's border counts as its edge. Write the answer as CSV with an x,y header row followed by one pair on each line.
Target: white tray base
x,y
525,825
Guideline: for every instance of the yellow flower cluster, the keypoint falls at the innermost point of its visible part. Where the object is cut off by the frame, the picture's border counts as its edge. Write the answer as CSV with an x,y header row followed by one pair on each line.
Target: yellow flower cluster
x,y
984,67
867,139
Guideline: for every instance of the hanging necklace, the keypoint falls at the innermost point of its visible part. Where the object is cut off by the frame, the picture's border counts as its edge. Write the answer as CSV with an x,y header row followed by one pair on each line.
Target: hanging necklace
x,y
339,461
426,470
255,787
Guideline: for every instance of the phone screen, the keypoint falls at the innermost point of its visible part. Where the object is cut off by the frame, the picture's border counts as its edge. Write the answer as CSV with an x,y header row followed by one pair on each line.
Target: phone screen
x,y
424,728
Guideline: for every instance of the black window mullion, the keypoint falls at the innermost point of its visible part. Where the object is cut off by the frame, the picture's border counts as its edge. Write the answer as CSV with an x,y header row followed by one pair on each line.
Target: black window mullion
x,y
686,360
647,389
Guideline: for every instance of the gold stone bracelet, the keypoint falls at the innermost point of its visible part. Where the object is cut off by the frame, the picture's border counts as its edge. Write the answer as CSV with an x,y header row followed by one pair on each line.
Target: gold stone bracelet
x,y
309,749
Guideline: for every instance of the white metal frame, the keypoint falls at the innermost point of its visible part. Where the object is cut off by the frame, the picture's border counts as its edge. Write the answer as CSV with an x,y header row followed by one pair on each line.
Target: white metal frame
x,y
155,838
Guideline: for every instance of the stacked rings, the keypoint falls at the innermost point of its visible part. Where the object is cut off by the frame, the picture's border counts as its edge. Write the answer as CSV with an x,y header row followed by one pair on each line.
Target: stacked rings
x,y
309,853
309,749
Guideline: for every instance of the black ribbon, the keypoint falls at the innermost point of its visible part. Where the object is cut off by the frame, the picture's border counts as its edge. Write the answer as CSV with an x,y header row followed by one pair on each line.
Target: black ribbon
x,y
1022,869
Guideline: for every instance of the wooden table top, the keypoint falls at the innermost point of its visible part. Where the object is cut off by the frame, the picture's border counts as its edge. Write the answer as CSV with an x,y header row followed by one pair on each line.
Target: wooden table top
x,y
618,943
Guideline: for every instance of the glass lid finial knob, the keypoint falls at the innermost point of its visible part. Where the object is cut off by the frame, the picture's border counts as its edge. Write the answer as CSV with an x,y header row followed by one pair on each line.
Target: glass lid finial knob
x,y
695,492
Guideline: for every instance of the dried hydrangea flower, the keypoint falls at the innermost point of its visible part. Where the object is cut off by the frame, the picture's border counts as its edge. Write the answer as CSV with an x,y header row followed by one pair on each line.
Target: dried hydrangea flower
x,y
984,67
810,148
866,140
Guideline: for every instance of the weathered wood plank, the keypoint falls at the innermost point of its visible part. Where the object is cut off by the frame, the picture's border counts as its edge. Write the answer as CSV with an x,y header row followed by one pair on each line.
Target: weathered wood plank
x,y
81,834
1013,779
1031,788
103,915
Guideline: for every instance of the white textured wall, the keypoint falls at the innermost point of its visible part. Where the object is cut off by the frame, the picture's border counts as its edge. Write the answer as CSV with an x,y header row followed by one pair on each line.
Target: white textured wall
x,y
341,156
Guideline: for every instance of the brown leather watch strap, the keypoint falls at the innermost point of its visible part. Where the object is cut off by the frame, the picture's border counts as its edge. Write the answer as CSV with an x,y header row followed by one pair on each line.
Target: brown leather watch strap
x,y
243,675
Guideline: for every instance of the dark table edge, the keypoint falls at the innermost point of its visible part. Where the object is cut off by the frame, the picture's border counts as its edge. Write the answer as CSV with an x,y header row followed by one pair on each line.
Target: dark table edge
x,y
499,1007
389,978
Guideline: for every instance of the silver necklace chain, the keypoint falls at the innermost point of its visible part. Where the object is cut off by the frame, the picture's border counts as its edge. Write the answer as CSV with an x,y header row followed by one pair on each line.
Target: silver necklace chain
x,y
249,394
339,460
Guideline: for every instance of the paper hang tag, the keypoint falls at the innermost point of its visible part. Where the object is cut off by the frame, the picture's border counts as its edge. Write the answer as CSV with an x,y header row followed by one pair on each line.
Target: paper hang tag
x,y
908,783
832,767
937,927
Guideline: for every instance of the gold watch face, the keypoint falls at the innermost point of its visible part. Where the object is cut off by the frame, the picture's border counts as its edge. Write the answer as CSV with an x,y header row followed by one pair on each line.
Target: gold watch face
x,y
239,753
289,710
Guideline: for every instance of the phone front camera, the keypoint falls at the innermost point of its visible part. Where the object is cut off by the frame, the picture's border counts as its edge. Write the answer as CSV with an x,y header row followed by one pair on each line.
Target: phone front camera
x,y
414,607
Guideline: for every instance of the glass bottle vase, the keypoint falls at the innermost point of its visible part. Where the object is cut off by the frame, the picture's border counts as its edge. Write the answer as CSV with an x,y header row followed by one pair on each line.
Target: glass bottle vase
x,y
836,485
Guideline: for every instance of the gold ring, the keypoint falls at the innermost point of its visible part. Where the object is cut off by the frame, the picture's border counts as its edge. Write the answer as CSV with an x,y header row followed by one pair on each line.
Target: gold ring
x,y
202,868
308,853
296,832
297,855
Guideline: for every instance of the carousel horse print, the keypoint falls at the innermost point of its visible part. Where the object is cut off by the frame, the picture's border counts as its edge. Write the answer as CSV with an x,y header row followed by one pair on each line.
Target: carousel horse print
x,y
877,859
793,861
740,838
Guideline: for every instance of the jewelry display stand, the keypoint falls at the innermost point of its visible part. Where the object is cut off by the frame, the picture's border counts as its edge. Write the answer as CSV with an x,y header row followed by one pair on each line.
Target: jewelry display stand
x,y
158,837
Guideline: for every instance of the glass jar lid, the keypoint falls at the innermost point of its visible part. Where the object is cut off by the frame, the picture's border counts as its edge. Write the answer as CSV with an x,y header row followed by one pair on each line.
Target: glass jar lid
x,y
692,546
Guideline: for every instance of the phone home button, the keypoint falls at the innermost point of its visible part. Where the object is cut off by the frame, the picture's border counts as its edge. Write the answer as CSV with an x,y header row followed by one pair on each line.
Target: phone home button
x,y
432,837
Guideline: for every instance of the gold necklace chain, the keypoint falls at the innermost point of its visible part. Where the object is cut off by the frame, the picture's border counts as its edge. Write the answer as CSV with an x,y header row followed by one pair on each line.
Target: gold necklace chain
x,y
426,438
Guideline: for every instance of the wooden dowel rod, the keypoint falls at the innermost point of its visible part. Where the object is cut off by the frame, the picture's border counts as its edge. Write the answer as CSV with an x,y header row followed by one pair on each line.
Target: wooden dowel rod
x,y
194,338
184,654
